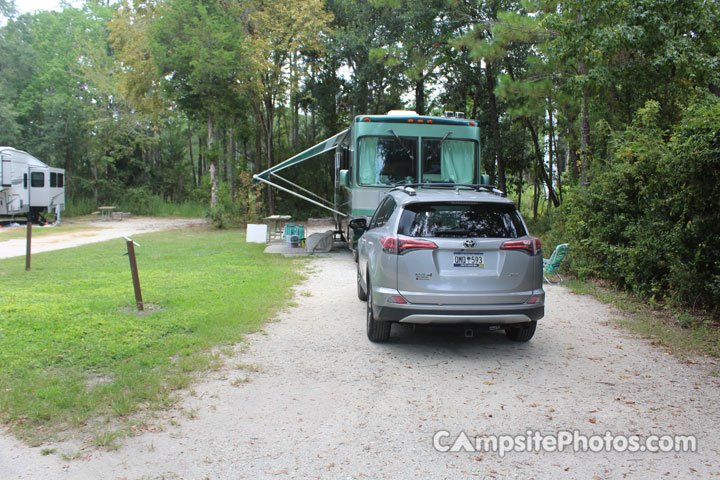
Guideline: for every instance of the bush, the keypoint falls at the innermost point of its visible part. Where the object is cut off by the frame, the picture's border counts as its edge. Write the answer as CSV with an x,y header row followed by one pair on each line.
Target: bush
x,y
650,220
245,207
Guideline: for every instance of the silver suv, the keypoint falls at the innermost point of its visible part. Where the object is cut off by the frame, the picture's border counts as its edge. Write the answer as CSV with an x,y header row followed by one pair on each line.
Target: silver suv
x,y
449,256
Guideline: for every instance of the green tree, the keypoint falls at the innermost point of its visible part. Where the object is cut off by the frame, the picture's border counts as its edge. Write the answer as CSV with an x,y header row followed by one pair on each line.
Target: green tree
x,y
200,52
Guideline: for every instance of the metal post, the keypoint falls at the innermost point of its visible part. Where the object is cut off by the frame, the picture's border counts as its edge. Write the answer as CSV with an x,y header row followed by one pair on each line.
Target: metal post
x,y
27,246
135,276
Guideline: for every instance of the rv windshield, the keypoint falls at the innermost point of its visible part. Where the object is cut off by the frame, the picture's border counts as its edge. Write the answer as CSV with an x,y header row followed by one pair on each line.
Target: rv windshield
x,y
448,160
387,160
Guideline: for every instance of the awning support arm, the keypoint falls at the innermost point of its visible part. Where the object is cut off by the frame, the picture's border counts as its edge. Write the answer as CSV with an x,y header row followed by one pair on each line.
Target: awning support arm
x,y
301,188
260,179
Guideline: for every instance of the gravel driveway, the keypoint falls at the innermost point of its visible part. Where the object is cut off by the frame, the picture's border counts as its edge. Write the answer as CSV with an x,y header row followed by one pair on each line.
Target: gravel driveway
x,y
97,231
326,403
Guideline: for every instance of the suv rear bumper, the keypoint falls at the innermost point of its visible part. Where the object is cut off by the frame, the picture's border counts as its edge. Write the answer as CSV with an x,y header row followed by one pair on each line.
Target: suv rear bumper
x,y
497,315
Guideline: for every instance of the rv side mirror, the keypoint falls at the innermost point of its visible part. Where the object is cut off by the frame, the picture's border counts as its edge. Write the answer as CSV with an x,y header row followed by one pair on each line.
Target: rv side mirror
x,y
358,224
344,178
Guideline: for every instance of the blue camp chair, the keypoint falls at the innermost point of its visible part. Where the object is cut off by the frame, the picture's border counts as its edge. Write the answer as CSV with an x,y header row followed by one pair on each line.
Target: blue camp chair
x,y
552,264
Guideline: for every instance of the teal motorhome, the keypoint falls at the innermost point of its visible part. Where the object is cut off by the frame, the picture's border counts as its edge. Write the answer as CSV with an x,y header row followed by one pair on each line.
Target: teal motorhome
x,y
379,152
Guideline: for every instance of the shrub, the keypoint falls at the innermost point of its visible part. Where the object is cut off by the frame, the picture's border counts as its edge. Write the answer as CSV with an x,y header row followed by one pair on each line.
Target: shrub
x,y
650,220
244,207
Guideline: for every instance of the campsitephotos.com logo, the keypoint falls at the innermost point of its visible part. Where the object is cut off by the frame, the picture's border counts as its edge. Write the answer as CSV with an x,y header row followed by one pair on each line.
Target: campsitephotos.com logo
x,y
534,441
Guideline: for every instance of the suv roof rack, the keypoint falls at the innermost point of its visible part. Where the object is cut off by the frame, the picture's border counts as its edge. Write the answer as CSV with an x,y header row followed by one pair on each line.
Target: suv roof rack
x,y
409,188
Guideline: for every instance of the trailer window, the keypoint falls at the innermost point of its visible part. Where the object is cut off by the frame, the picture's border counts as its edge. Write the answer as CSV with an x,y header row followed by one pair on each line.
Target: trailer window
x,y
449,160
25,181
61,180
53,179
387,160
37,179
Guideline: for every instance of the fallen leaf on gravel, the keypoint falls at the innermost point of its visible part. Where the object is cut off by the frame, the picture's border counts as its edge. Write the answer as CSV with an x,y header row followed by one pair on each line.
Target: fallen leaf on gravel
x,y
592,420
593,411
629,402
624,376
533,405
551,410
489,383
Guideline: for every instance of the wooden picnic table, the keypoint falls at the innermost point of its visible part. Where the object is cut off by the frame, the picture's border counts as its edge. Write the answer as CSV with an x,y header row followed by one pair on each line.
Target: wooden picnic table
x,y
106,212
275,225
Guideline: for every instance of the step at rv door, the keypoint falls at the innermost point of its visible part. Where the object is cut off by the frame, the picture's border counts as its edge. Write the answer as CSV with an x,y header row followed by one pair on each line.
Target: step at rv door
x,y
39,187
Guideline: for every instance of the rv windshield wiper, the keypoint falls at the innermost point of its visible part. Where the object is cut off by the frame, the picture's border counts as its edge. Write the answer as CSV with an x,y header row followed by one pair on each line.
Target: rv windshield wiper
x,y
439,144
410,155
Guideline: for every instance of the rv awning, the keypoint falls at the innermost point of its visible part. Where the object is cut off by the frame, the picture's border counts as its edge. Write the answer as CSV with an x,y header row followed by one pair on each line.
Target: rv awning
x,y
322,147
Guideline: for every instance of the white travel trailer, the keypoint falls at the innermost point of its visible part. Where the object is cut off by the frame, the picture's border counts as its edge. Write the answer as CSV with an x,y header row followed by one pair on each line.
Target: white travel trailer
x,y
28,187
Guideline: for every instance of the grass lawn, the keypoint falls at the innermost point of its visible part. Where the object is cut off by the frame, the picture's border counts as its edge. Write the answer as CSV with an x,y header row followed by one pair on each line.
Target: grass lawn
x,y
73,348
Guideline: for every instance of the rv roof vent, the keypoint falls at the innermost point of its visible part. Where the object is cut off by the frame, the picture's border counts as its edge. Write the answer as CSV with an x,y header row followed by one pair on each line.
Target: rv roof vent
x,y
402,113
459,114
449,114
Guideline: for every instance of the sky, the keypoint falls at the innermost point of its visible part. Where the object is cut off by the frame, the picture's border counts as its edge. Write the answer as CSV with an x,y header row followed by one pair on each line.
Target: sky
x,y
30,6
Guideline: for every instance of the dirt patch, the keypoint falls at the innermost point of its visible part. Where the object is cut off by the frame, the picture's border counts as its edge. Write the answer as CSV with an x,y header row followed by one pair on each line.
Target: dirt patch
x,y
96,231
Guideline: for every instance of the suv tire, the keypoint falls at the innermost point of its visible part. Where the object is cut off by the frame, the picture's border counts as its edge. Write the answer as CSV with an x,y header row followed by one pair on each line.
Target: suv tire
x,y
521,333
362,295
376,331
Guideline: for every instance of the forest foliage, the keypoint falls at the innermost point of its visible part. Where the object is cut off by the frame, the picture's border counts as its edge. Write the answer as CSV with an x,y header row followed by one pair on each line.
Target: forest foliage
x,y
605,112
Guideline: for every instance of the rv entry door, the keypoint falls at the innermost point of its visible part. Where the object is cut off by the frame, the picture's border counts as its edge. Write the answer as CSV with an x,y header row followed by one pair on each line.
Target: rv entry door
x,y
39,187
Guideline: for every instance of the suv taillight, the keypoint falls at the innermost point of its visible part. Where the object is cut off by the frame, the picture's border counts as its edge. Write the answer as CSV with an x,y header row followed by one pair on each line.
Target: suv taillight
x,y
400,245
530,246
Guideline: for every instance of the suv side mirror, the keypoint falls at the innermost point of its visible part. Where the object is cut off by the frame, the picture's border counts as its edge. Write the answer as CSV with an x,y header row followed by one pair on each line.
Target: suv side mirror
x,y
358,224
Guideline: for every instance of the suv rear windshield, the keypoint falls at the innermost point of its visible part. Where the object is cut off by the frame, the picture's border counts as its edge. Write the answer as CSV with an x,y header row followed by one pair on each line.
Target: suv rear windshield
x,y
485,220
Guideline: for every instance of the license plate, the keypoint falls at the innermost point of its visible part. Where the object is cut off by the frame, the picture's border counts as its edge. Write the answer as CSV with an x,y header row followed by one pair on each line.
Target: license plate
x,y
462,259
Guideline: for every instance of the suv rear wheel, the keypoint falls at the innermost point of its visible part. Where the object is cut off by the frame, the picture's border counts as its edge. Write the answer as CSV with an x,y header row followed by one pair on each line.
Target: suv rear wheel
x,y
521,333
376,331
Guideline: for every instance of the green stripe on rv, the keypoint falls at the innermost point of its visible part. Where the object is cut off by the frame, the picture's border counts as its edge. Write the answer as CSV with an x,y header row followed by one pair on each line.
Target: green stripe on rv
x,y
361,212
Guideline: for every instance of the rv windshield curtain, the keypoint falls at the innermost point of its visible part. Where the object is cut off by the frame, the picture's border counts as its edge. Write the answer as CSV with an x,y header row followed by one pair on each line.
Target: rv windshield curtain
x,y
367,161
457,161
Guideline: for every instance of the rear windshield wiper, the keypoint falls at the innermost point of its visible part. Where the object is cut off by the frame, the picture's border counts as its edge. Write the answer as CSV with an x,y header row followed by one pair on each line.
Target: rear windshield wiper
x,y
452,232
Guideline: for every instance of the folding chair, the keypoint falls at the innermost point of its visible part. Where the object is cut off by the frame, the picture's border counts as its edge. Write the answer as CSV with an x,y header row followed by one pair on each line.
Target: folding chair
x,y
552,264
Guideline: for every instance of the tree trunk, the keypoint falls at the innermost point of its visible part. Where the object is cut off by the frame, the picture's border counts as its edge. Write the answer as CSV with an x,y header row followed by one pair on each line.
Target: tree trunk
x,y
584,132
420,96
551,139
230,164
313,131
192,161
497,144
258,151
213,170
520,190
269,146
541,164
95,183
